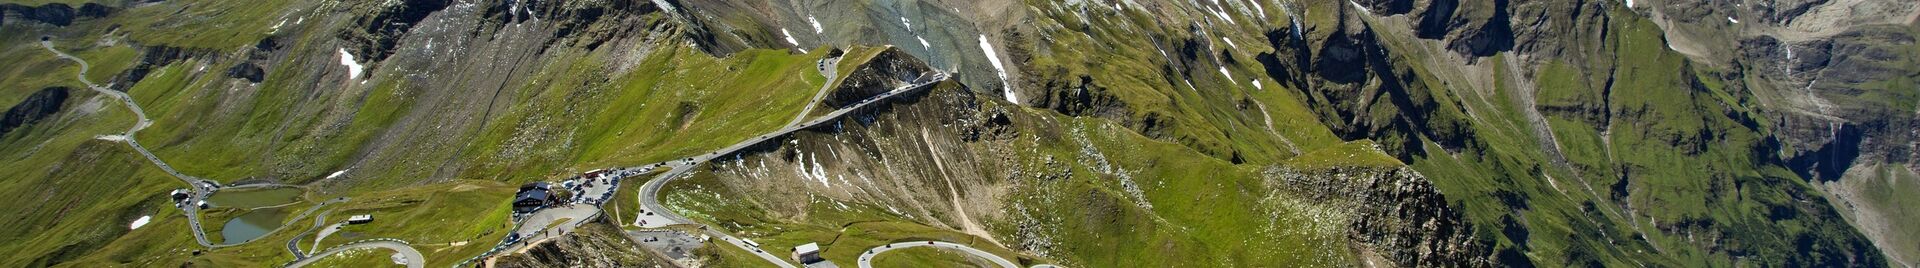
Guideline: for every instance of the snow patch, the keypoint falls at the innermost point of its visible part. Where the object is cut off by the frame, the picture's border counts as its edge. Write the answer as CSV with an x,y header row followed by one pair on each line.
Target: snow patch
x,y
1286,8
819,173
1629,3
336,174
1734,21
1296,30
353,67
142,221
789,36
667,6
1223,16
1256,84
923,42
816,25
1257,9
1362,8
994,59
908,23
1223,71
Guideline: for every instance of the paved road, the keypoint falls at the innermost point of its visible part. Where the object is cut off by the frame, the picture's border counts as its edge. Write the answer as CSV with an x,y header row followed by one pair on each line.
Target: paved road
x,y
866,259
650,192
201,188
589,193
324,233
534,226
538,222
828,67
414,259
769,257
293,244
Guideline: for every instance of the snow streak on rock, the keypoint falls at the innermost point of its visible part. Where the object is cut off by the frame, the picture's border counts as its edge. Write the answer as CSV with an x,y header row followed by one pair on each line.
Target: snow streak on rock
x,y
1259,10
816,25
994,58
789,36
353,67
1297,27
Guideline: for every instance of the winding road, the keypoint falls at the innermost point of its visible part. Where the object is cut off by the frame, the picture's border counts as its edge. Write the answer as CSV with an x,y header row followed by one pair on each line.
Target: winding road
x,y
414,259
293,244
201,187
650,192
828,68
866,259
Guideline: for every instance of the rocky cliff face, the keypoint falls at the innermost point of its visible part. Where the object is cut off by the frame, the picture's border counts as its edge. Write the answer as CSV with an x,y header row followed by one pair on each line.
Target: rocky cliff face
x,y
56,14
890,69
1831,79
40,105
1393,212
1088,133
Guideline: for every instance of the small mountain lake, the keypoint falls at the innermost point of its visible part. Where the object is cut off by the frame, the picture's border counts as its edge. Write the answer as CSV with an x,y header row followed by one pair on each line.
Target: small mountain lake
x,y
252,225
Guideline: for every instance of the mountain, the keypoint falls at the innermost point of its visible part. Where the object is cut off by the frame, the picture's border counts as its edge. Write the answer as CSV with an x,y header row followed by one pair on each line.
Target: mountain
x,y
1078,133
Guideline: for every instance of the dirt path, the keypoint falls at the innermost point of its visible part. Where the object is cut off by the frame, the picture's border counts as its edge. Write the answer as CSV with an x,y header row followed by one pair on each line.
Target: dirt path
x,y
966,222
1276,132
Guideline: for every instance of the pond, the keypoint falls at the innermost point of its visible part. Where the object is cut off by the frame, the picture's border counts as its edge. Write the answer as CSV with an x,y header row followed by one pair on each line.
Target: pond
x,y
253,198
252,225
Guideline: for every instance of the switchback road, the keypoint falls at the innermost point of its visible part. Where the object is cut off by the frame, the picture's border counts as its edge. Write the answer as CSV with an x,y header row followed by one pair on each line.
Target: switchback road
x,y
866,258
414,259
650,192
201,188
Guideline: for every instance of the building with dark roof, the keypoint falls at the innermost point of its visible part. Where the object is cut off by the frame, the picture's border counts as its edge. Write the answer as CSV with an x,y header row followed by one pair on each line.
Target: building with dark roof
x,y
532,196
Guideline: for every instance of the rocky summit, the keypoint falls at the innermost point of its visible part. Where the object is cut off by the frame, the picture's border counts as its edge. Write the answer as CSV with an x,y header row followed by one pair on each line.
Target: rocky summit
x,y
960,133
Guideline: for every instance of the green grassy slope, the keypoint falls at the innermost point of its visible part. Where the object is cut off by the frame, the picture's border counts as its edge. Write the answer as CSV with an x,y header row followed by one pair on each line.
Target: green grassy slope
x,y
1665,167
1664,164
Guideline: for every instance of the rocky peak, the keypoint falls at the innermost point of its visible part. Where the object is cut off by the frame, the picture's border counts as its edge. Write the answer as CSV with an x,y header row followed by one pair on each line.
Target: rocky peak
x,y
889,69
1394,212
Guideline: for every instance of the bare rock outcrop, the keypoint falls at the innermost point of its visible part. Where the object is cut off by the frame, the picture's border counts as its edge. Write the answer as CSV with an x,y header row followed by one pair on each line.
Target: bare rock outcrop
x,y
890,69
38,106
1393,212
